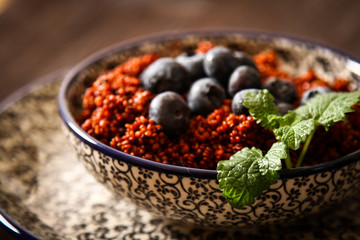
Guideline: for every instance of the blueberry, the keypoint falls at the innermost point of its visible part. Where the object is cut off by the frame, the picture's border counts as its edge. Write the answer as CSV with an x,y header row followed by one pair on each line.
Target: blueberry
x,y
170,110
245,59
193,64
282,90
313,92
284,107
219,63
243,77
205,96
165,74
237,106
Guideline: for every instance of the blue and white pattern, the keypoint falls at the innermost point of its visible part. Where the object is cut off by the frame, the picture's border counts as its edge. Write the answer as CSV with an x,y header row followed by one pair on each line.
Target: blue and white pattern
x,y
200,201
47,191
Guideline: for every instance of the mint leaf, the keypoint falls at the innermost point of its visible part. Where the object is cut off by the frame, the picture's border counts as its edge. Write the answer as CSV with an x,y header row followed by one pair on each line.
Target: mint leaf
x,y
296,133
327,109
295,127
261,106
277,151
247,174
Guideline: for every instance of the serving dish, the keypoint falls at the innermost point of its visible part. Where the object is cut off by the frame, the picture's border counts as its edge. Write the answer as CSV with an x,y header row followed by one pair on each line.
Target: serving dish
x,y
41,201
192,195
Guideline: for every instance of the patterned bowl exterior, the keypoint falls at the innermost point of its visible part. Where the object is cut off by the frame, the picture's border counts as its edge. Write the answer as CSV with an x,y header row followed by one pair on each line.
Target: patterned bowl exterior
x,y
192,195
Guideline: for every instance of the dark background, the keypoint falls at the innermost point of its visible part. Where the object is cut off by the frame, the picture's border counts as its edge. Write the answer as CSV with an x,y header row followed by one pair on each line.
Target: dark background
x,y
41,36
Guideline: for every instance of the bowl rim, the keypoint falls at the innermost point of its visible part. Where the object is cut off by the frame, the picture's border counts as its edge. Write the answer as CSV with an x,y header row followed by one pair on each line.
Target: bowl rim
x,y
71,124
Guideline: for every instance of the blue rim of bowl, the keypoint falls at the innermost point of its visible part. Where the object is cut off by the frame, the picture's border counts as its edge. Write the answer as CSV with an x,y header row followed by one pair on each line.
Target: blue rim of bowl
x,y
172,169
13,229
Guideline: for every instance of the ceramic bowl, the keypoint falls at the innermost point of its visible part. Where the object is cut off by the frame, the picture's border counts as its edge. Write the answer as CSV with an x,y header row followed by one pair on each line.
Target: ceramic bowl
x,y
192,195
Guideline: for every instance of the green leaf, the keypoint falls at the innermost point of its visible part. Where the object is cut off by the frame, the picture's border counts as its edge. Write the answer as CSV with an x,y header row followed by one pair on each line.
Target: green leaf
x,y
296,126
327,109
295,134
247,174
277,151
261,106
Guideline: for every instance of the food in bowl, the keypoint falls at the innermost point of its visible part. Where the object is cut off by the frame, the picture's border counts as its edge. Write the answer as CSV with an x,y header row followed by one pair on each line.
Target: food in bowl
x,y
116,99
158,111
187,190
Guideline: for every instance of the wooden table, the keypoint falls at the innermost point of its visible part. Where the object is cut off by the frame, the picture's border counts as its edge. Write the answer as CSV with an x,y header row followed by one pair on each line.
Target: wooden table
x,y
38,36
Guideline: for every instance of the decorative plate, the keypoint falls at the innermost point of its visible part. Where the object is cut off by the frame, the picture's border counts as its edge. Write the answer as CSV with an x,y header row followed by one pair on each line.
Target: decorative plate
x,y
45,193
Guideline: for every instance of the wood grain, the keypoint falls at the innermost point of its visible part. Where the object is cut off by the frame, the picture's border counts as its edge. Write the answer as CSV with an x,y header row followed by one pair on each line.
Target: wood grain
x,y
39,36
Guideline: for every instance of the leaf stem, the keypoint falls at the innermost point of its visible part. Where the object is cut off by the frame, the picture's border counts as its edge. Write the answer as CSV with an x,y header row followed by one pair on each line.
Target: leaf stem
x,y
288,162
305,148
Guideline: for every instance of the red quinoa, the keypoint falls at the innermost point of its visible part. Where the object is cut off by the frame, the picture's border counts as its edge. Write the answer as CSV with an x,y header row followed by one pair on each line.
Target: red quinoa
x,y
116,113
204,46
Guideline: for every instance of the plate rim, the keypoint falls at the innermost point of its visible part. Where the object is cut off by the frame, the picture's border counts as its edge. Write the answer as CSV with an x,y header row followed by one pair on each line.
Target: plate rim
x,y
10,225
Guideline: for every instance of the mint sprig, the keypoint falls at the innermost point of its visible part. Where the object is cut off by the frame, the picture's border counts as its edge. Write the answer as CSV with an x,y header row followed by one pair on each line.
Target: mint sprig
x,y
296,126
247,174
